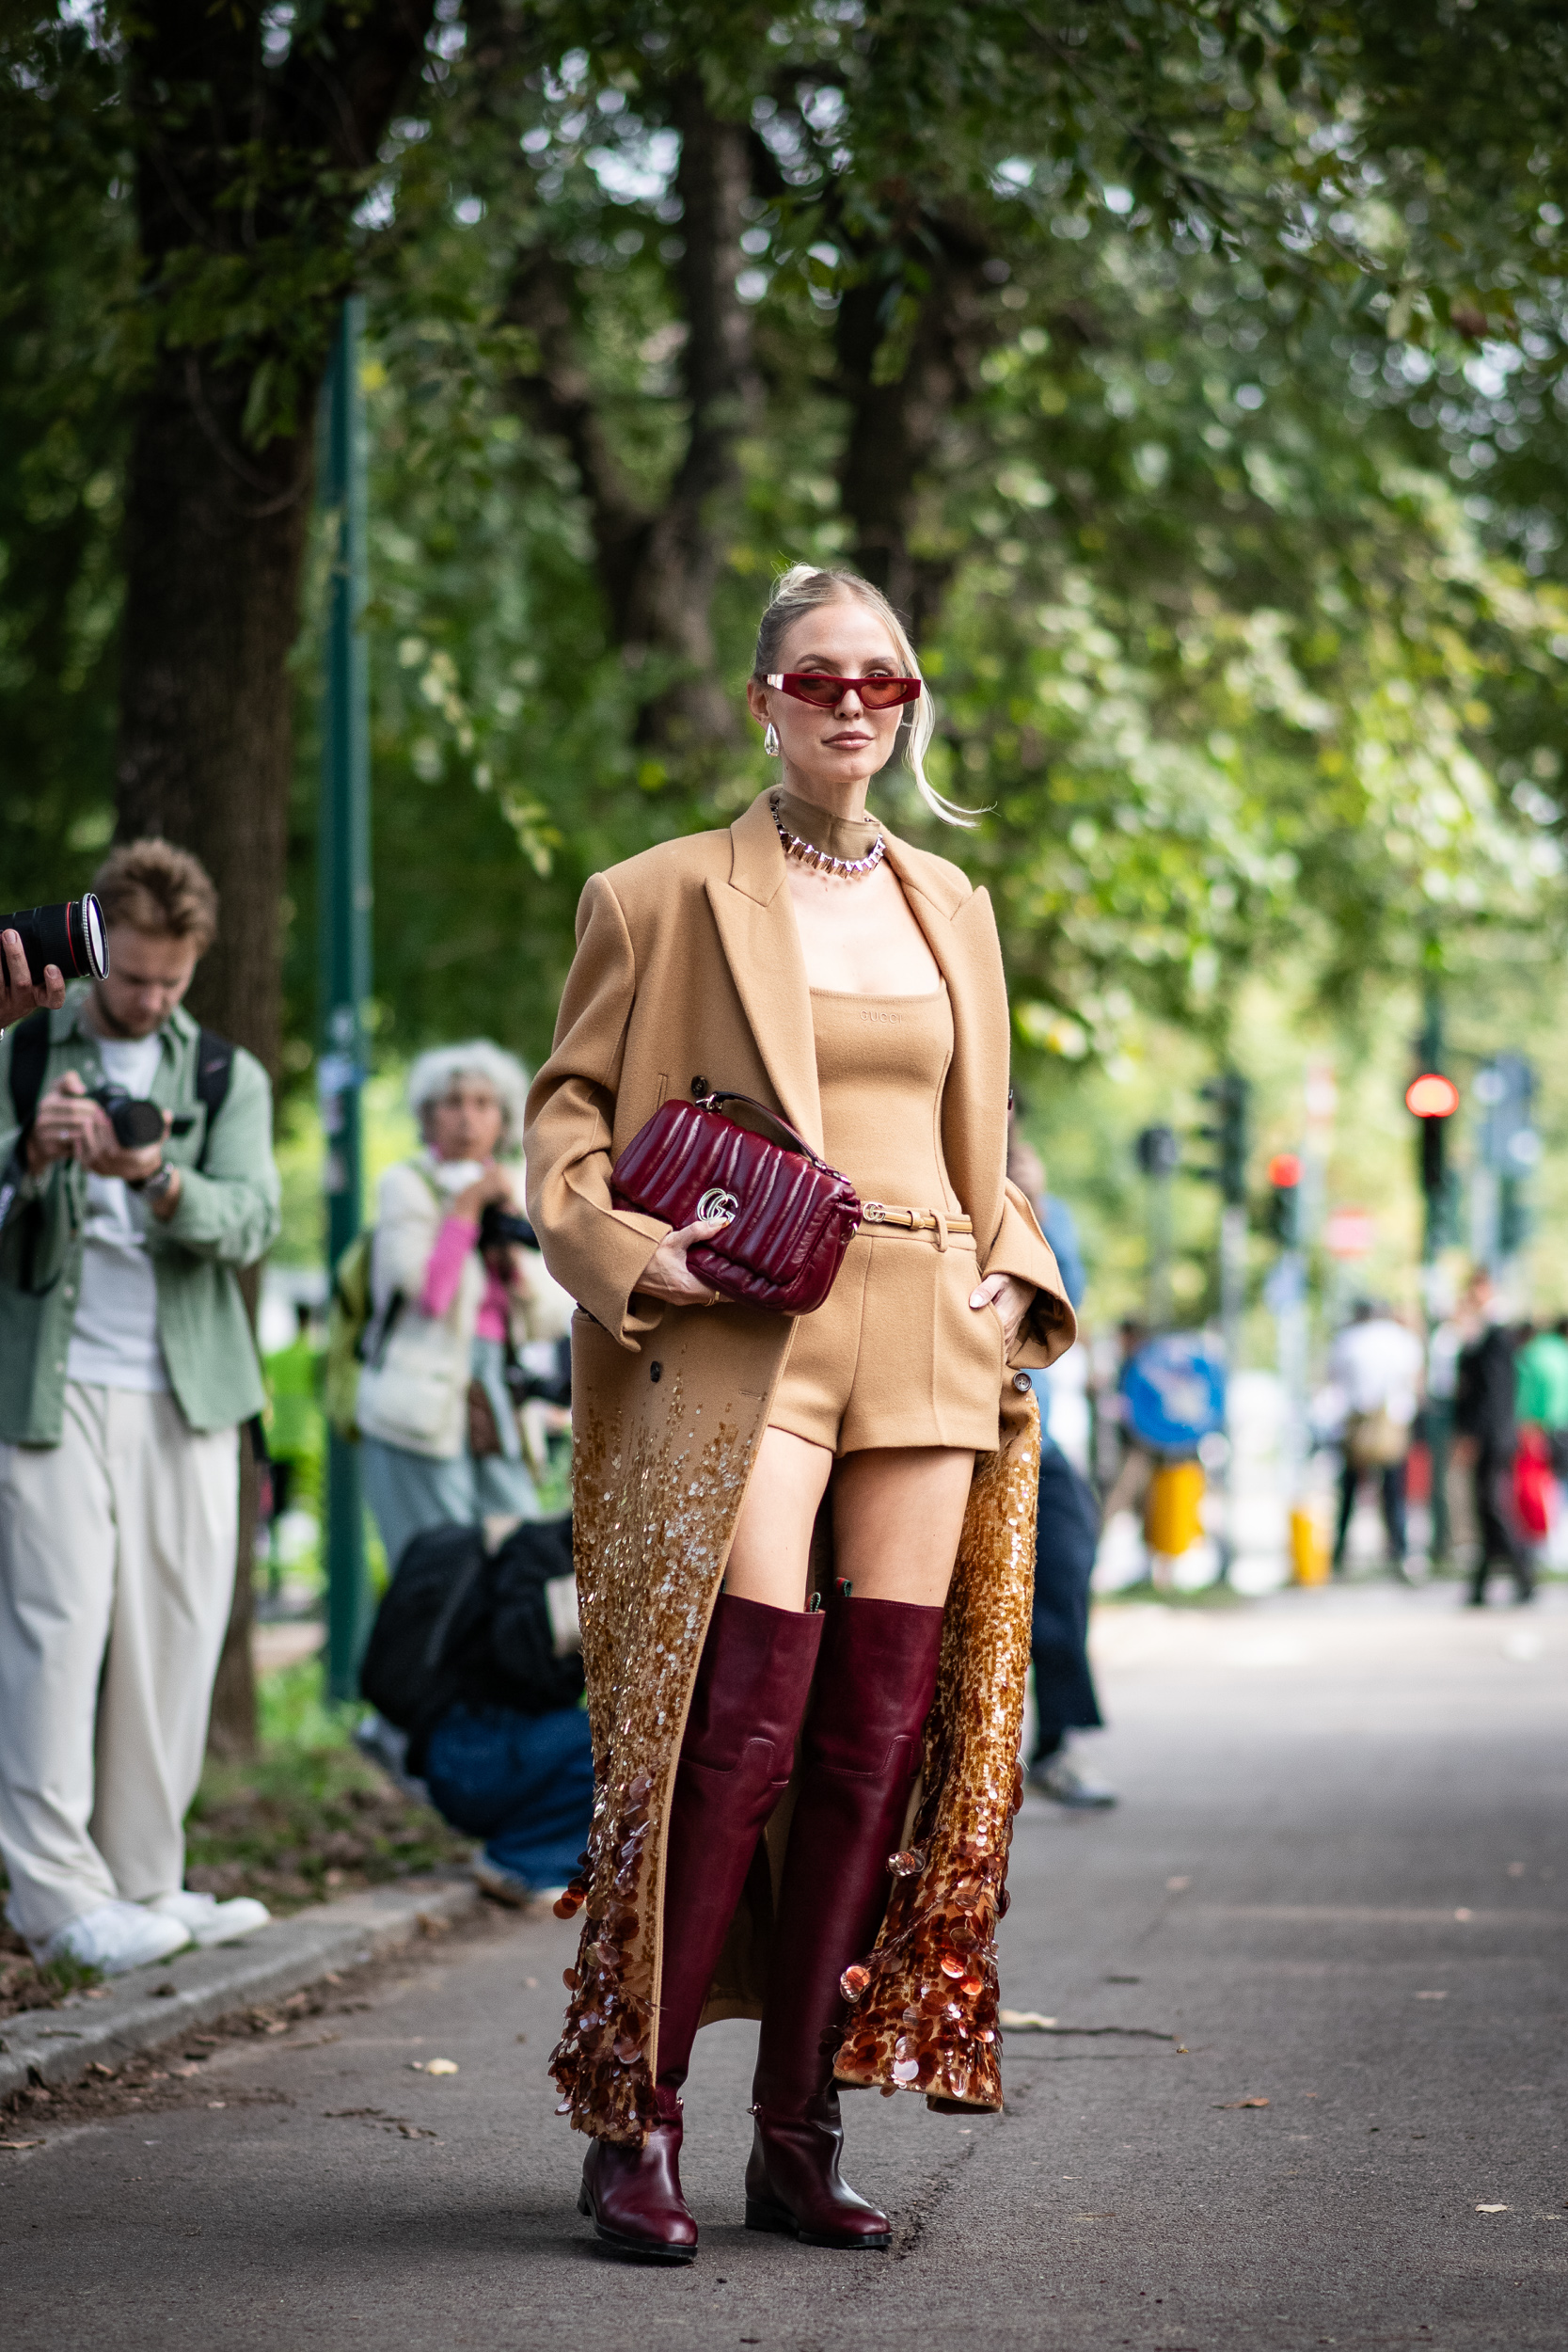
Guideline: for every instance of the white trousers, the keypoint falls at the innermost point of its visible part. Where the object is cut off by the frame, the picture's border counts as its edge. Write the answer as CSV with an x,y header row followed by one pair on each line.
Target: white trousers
x,y
117,1571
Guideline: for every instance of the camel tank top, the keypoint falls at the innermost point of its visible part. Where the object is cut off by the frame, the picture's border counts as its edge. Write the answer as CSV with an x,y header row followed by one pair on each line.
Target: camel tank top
x,y
881,1065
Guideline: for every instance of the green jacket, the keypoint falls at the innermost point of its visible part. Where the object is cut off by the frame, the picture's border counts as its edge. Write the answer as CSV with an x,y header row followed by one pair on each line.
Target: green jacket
x,y
226,1217
1543,1378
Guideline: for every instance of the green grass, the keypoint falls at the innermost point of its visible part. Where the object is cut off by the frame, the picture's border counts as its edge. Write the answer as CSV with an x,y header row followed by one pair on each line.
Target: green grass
x,y
309,1816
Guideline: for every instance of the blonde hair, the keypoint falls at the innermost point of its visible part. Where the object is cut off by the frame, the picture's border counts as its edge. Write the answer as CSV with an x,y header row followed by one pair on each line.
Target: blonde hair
x,y
803,589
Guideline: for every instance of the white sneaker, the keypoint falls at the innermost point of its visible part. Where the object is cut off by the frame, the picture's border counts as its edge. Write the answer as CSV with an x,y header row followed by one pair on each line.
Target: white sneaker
x,y
206,1921
116,1936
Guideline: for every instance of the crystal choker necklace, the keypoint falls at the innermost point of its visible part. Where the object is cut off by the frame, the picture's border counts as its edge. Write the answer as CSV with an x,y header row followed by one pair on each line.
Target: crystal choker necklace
x,y
840,830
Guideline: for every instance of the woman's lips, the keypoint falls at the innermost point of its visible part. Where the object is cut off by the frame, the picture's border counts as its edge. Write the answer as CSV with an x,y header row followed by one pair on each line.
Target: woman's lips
x,y
850,740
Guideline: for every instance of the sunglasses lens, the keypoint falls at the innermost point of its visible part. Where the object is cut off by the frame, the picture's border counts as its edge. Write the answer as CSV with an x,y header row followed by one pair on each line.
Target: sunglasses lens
x,y
881,693
823,694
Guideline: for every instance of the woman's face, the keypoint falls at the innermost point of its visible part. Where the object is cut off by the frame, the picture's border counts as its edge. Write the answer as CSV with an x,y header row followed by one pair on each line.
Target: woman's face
x,y
466,1123
848,744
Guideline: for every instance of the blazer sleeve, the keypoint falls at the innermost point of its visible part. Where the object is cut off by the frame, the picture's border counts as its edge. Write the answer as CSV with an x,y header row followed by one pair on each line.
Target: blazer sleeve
x,y
595,1251
1021,1250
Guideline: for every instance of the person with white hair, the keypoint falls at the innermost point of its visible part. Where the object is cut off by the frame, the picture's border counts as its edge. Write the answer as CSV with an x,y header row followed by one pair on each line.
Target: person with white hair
x,y
453,1301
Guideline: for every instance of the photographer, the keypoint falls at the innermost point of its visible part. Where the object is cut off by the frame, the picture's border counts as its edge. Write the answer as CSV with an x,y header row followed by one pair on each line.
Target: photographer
x,y
454,1296
136,1158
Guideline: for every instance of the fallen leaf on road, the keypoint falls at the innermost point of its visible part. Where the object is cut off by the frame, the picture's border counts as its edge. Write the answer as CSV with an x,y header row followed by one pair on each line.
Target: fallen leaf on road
x,y
1024,2020
415,2131
1241,2102
441,2066
1492,2209
21,2143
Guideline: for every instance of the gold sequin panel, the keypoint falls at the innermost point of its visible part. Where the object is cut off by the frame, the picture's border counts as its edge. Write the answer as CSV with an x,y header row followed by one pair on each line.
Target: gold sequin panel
x,y
651,1524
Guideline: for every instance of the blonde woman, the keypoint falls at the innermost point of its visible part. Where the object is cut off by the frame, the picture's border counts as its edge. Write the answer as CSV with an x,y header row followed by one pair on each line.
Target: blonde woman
x,y
807,957
441,1442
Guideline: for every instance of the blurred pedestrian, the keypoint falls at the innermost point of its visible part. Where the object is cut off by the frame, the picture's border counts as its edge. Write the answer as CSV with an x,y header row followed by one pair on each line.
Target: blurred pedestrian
x,y
1067,1533
126,1365
453,1299
1375,1365
1486,1422
1541,1393
476,1657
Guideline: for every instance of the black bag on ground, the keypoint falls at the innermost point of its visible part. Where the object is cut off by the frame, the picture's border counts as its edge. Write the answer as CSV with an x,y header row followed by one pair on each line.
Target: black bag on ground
x,y
461,1628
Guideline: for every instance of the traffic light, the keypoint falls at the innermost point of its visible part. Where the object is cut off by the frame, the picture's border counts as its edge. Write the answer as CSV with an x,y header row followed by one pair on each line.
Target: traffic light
x,y
1433,1099
1285,1207
1158,1151
1229,1095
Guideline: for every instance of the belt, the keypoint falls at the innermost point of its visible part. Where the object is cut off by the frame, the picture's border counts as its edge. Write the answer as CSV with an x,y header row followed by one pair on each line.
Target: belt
x,y
916,1221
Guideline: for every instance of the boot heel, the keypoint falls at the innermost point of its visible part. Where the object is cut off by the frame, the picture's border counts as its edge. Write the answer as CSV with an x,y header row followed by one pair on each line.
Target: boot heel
x,y
770,2216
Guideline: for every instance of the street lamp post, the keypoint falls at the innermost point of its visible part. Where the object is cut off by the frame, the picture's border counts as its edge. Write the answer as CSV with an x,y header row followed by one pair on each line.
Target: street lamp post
x,y
344,962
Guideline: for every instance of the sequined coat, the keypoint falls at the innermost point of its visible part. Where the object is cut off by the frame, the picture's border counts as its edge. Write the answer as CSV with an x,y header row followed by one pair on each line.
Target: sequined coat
x,y
688,969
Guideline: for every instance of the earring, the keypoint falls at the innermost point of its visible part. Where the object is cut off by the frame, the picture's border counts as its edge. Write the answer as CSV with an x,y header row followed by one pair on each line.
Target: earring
x,y
771,741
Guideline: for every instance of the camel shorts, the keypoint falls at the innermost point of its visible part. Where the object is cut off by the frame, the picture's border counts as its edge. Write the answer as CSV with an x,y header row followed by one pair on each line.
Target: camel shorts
x,y
895,1355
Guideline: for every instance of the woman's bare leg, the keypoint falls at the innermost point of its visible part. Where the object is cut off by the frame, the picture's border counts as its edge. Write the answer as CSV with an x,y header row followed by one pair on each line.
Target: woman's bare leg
x,y
770,1554
897,1514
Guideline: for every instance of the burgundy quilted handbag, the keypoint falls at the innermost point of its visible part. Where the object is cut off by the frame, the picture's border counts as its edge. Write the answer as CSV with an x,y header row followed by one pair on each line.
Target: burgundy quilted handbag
x,y
791,1216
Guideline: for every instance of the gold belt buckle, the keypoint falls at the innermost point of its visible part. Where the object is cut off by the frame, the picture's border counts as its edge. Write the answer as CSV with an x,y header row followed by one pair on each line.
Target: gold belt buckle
x,y
873,1212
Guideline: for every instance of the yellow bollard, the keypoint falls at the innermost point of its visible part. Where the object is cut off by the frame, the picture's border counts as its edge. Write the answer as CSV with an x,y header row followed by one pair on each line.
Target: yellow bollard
x,y
1172,1518
1309,1562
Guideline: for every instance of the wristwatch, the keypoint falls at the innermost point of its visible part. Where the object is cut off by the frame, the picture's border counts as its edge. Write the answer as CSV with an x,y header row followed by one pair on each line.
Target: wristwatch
x,y
154,1187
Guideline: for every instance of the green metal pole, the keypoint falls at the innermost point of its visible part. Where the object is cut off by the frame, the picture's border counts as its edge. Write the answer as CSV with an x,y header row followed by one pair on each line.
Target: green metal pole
x,y
344,959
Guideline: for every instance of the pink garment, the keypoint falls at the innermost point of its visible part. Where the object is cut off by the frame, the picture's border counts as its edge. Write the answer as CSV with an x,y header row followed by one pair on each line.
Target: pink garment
x,y
444,1271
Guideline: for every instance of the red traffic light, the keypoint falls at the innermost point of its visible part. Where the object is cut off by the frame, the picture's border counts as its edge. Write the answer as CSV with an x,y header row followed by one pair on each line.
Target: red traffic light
x,y
1432,1097
1285,1171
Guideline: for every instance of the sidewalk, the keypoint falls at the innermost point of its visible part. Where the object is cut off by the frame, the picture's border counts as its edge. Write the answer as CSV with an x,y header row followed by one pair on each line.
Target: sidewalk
x,y
150,2007
1305,2086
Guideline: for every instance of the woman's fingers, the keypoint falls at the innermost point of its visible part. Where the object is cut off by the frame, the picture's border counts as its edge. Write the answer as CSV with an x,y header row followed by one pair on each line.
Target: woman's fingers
x,y
703,1230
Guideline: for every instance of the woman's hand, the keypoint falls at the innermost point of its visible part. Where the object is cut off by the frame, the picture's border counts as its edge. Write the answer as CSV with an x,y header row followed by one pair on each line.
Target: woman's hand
x,y
1012,1300
667,1276
472,1201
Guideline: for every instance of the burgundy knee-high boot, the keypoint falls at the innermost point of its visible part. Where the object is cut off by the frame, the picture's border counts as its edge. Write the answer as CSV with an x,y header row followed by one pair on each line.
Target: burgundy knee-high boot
x,y
736,1760
860,1755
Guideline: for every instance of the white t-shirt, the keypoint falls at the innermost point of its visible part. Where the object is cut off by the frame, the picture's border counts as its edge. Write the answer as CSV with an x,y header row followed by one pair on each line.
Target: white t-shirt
x,y
114,1338
1378,1365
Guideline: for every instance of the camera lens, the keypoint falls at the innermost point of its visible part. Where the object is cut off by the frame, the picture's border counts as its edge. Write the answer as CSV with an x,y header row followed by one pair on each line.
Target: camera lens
x,y
69,934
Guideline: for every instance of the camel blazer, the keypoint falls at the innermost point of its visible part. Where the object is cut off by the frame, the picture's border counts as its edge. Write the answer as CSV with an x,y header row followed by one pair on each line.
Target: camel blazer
x,y
689,974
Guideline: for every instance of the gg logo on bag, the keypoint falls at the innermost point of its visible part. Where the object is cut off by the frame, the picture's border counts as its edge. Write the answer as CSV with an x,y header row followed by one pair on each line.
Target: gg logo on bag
x,y
717,1203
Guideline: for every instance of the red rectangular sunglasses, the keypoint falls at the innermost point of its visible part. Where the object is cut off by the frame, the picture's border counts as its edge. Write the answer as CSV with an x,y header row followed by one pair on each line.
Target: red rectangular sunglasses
x,y
825,691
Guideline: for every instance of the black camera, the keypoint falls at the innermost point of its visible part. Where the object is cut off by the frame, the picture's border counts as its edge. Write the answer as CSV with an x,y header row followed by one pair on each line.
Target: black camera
x,y
503,1229
71,936
136,1122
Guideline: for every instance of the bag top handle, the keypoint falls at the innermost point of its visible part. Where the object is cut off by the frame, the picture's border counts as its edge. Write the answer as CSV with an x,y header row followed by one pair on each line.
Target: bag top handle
x,y
711,1100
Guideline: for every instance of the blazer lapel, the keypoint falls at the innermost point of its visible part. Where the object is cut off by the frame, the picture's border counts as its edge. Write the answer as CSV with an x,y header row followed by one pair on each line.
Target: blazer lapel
x,y
756,929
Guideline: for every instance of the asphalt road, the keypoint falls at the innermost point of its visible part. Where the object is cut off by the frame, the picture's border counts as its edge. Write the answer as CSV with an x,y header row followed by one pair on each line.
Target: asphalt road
x,y
1336,1884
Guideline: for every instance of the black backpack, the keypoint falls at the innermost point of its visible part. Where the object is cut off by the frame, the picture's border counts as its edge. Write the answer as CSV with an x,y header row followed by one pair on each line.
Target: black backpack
x,y
459,1627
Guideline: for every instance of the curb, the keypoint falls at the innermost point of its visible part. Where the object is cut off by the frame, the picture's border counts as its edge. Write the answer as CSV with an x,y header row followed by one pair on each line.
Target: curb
x,y
57,2046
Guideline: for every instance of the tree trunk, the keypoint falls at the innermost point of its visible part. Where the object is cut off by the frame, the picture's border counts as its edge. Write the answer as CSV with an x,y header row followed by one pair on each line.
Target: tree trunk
x,y
262,166
898,422
215,547
658,566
